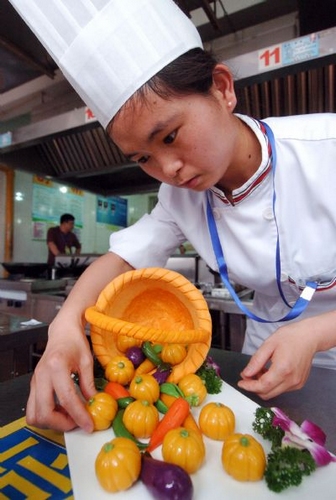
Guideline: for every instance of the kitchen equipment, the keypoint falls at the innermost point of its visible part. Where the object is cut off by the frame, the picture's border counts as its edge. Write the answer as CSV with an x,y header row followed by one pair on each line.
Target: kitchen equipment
x,y
192,267
18,343
26,269
17,295
73,265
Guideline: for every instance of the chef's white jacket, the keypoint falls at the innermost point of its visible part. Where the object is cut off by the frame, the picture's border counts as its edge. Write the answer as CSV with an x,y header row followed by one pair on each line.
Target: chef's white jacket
x,y
305,214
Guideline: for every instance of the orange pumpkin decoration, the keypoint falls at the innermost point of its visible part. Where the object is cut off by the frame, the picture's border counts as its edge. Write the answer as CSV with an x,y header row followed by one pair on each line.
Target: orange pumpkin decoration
x,y
154,304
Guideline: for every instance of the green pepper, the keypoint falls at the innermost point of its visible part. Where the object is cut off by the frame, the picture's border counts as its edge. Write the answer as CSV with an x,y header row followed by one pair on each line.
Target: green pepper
x,y
150,353
157,348
171,389
120,430
161,406
124,402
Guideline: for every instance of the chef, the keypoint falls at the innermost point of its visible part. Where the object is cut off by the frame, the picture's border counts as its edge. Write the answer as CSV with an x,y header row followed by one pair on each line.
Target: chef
x,y
255,199
61,239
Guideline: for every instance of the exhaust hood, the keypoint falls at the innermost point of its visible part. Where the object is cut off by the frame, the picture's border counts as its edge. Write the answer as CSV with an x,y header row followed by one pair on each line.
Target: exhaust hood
x,y
74,149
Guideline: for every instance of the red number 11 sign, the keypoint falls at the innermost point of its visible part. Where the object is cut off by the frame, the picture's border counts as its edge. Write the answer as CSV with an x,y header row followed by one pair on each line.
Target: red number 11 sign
x,y
269,58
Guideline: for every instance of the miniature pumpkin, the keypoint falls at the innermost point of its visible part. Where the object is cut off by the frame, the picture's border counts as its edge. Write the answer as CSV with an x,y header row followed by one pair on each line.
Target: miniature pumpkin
x,y
154,304
141,418
145,387
193,388
119,369
102,408
217,421
124,343
173,353
184,447
243,457
118,464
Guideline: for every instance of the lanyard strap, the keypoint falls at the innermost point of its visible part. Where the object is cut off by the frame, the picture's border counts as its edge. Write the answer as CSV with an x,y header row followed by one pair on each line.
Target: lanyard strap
x,y
307,293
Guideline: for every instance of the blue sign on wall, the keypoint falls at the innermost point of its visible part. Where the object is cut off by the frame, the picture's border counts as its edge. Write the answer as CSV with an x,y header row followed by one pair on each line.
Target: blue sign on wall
x,y
5,139
112,210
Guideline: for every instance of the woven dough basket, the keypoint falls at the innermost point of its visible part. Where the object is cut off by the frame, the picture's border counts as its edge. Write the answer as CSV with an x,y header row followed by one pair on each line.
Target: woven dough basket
x,y
153,304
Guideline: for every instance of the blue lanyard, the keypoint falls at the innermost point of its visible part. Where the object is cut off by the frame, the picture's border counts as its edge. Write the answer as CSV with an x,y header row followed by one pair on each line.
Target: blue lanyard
x,y
309,290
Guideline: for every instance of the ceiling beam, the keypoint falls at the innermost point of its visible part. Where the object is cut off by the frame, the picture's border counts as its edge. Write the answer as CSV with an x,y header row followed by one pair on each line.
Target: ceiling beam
x,y
210,15
14,49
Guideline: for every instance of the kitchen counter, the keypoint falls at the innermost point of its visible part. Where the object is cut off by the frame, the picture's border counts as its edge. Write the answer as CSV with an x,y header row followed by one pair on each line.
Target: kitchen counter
x,y
13,398
229,322
227,306
29,285
17,295
14,335
17,344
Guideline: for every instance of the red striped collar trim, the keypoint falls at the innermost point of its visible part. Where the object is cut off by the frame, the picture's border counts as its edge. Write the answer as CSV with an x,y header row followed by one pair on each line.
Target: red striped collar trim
x,y
254,182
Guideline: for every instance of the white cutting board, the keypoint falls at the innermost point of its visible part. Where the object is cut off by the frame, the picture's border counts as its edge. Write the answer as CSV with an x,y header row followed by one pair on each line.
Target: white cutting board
x,y
211,481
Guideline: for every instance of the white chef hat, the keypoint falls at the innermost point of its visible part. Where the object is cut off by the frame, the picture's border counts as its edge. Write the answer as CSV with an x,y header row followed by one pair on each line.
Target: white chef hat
x,y
107,49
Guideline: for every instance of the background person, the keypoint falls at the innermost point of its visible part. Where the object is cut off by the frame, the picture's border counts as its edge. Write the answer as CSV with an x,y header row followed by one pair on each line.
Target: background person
x,y
62,240
182,249
179,104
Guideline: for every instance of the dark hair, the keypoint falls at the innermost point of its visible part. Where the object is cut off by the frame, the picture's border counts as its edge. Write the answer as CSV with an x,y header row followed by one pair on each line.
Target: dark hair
x,y
66,218
190,73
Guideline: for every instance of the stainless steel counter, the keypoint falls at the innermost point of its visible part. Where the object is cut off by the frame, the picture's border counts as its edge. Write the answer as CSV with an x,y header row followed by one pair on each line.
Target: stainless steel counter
x,y
31,285
227,306
16,296
17,344
229,322
15,335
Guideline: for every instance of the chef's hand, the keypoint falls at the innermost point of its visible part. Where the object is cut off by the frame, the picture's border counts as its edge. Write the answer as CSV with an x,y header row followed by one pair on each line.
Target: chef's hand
x,y
54,401
282,363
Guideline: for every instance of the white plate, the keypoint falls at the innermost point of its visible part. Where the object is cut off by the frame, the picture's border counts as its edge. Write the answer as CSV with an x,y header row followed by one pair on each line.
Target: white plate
x,y
211,481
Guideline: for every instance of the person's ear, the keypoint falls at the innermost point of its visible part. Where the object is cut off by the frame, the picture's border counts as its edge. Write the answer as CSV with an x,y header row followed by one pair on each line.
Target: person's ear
x,y
223,85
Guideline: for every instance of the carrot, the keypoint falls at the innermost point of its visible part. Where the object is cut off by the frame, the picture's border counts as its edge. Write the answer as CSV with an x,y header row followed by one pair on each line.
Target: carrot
x,y
116,390
190,423
145,367
167,399
174,417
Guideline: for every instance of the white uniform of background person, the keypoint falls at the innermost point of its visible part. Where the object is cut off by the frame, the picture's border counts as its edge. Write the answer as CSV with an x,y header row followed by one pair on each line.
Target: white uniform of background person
x,y
305,185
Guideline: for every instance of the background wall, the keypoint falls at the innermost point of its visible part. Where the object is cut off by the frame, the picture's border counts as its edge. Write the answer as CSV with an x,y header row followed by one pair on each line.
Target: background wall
x,y
94,235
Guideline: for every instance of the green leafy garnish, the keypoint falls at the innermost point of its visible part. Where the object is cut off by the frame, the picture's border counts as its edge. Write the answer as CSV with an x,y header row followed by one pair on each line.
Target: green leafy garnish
x,y
286,467
209,373
262,425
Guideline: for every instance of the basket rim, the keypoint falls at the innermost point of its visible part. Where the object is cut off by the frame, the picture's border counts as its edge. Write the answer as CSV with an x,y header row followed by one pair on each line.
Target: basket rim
x,y
174,280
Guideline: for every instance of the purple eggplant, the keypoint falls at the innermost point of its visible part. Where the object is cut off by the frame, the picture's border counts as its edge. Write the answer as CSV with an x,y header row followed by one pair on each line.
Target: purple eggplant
x,y
161,373
165,481
135,355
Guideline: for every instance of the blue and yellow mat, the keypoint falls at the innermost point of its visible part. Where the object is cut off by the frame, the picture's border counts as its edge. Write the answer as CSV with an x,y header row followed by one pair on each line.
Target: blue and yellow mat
x,y
33,464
